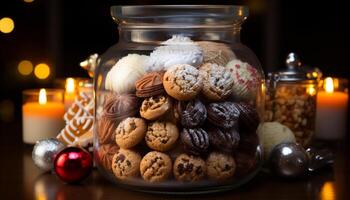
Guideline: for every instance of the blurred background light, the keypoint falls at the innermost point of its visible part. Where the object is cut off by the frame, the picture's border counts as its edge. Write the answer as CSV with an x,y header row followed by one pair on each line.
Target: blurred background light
x,y
6,25
28,1
25,67
7,110
42,71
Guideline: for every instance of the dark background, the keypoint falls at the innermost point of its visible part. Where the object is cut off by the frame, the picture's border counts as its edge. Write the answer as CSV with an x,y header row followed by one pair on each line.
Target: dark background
x,y
62,33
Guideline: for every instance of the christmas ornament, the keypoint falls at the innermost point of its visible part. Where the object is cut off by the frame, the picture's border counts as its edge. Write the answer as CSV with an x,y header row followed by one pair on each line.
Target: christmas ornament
x,y
73,164
289,160
44,153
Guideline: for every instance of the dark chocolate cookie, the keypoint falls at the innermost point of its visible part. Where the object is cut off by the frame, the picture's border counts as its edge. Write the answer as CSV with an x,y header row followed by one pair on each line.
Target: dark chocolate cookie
x,y
223,140
196,141
224,114
192,113
248,117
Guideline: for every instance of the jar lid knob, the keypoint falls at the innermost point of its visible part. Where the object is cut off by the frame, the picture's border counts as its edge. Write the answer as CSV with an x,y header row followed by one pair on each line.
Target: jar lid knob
x,y
293,61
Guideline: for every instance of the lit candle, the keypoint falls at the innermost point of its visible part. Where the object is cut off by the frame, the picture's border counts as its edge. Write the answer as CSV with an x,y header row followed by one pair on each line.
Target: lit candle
x,y
332,105
70,93
42,118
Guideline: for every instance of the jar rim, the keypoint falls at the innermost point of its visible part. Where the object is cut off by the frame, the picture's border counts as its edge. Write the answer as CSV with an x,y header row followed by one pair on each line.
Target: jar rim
x,y
180,14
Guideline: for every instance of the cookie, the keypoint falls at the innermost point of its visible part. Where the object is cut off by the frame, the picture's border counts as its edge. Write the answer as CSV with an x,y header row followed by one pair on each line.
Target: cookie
x,y
245,163
155,167
182,82
161,136
130,132
248,117
217,82
223,114
154,107
76,128
123,75
105,155
151,84
224,140
247,80
192,113
189,168
126,164
115,109
195,141
214,52
220,166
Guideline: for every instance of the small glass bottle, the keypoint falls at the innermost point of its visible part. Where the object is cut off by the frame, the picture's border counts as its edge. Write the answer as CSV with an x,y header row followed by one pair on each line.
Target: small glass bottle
x,y
291,99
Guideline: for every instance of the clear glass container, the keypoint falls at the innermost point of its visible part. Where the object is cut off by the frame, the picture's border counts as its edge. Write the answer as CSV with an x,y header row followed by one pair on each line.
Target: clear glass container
x,y
291,99
178,100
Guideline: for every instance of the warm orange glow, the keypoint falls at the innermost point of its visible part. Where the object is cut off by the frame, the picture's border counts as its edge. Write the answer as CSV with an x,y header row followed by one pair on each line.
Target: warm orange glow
x,y
42,71
42,97
6,25
311,90
28,1
328,191
25,67
328,85
70,85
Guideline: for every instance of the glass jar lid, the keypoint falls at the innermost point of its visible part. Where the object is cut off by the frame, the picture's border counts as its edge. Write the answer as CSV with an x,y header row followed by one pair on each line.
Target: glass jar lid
x,y
294,71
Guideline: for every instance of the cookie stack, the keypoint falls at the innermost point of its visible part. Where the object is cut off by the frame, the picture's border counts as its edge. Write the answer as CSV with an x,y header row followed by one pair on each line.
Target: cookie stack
x,y
180,121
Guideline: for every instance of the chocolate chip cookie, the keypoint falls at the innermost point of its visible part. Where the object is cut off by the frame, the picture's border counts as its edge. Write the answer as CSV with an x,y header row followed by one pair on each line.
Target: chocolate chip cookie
x,y
126,164
225,140
150,84
183,82
220,166
130,132
195,141
155,167
161,136
105,155
189,168
192,113
223,114
217,82
154,107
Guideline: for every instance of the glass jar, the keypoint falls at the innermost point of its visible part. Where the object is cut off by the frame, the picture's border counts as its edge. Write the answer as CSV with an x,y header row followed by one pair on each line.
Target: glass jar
x,y
178,100
291,99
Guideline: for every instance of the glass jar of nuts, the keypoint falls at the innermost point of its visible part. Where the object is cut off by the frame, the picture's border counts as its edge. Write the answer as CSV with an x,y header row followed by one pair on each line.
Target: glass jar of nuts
x,y
291,99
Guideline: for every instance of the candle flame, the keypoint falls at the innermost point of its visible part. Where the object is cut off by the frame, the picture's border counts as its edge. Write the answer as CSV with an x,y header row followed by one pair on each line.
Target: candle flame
x,y
70,85
42,97
328,85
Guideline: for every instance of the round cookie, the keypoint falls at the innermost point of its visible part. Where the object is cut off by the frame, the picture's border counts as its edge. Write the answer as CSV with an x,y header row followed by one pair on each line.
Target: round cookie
x,y
220,166
246,80
105,155
215,52
195,141
155,167
217,82
126,164
154,107
191,113
248,118
183,82
225,140
223,114
151,84
189,168
161,136
130,132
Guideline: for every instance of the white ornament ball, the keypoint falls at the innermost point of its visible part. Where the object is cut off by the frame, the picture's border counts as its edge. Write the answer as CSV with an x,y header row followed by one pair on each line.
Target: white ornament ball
x,y
45,151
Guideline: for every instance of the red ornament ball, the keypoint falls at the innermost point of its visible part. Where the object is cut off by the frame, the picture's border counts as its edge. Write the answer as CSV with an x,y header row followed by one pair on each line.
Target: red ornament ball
x,y
73,164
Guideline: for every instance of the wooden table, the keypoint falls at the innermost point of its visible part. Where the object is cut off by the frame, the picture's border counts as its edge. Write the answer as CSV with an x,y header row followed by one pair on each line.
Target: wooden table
x,y
20,179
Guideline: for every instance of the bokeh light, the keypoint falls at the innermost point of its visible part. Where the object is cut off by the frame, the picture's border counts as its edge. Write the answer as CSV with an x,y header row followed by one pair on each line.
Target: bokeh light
x,y
7,110
28,1
25,67
42,71
6,25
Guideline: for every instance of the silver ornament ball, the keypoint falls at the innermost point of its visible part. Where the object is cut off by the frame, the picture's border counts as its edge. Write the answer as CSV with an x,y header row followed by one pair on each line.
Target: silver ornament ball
x,y
289,160
44,153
